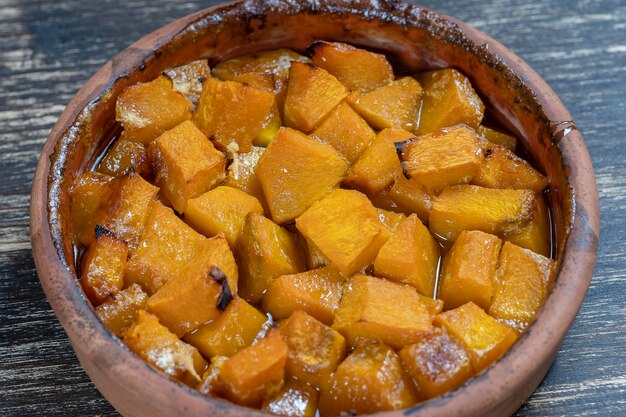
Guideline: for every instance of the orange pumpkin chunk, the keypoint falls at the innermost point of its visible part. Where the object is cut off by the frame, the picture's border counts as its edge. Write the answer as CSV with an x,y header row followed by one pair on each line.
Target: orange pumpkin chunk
x,y
346,229
155,344
316,292
503,169
438,363
188,79
233,330
242,173
256,372
315,349
485,338
410,256
275,62
355,68
393,105
295,171
449,99
522,282
118,311
295,399
187,164
123,156
140,109
489,137
536,235
375,308
214,252
371,379
89,192
410,196
311,94
210,383
469,270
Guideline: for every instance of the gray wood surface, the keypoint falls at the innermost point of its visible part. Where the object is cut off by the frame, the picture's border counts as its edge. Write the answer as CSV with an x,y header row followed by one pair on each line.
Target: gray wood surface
x,y
48,49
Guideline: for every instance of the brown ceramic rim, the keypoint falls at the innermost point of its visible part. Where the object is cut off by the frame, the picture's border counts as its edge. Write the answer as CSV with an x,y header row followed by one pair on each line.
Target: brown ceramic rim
x,y
121,376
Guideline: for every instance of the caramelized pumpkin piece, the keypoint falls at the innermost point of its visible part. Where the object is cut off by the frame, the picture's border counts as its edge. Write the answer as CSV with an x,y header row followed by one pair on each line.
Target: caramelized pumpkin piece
x,y
256,372
536,235
469,207
444,157
210,383
311,94
118,311
295,171
276,61
375,308
188,79
242,173
469,270
140,109
186,164
522,282
316,292
214,252
393,105
485,338
123,156
410,196
449,99
315,349
410,256
295,399
355,68
438,363
89,192
346,229
233,330
489,137
371,379
267,251
503,169
155,344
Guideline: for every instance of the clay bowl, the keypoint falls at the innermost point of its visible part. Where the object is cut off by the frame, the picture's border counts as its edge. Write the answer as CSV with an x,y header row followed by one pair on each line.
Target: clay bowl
x,y
414,38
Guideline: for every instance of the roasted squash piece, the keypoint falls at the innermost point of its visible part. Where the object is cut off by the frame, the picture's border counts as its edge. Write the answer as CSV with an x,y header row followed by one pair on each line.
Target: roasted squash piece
x,y
370,379
485,338
188,79
295,399
221,210
275,62
214,252
232,114
210,383
438,363
522,282
346,229
118,311
469,207
448,99
410,196
315,349
123,156
355,68
295,171
233,330
393,105
390,219
102,267
489,137
88,193
316,292
140,109
242,174
155,344
468,270
444,157
267,251
536,236
410,256
186,164
379,309
311,94
503,169
256,372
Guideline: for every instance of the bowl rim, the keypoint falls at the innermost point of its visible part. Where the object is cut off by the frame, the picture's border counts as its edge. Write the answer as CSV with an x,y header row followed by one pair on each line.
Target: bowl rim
x,y
556,315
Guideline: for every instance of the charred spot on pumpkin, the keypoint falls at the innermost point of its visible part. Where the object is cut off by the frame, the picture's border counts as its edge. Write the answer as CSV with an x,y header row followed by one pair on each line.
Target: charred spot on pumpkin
x,y
101,230
401,146
313,47
227,295
488,152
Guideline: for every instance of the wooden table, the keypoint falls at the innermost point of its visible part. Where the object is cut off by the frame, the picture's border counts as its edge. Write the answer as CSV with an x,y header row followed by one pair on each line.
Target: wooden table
x,y
48,49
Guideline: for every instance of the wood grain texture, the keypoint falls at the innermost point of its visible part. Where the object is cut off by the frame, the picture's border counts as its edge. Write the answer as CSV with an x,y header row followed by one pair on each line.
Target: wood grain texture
x,y
49,49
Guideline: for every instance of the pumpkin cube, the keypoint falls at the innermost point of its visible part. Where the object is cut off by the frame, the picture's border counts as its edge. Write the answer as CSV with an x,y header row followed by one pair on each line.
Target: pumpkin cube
x,y
370,379
375,308
186,164
485,338
187,79
295,171
469,207
346,229
522,282
256,372
468,270
441,158
266,252
89,192
140,109
410,196
503,169
315,349
242,174
295,399
276,61
123,156
155,344
448,99
210,383
214,252
118,311
536,236
490,137
396,104
233,330
410,256
311,94
438,363
355,68
316,292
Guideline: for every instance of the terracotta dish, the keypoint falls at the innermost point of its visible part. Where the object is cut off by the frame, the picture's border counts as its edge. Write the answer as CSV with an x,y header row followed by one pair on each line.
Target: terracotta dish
x,y
413,38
